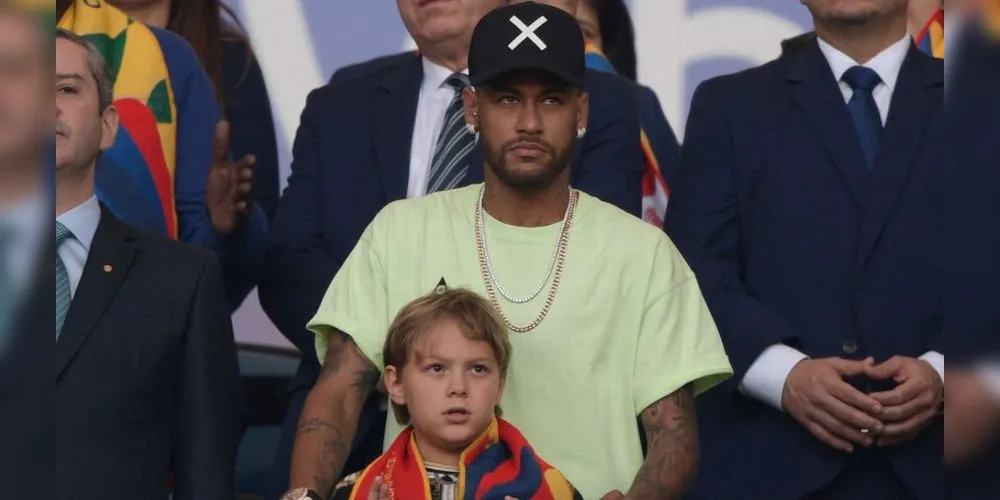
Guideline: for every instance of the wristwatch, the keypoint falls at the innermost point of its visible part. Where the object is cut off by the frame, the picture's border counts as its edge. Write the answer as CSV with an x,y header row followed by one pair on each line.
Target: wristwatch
x,y
301,494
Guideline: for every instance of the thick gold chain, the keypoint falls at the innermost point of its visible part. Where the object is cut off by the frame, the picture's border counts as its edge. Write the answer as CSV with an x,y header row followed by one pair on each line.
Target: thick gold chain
x,y
485,267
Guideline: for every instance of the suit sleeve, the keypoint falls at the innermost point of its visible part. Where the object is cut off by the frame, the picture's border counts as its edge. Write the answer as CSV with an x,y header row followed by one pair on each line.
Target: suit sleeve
x,y
298,270
610,161
242,253
704,222
208,397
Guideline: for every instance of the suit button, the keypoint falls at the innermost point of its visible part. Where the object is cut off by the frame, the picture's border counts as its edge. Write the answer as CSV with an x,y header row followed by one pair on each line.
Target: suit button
x,y
850,347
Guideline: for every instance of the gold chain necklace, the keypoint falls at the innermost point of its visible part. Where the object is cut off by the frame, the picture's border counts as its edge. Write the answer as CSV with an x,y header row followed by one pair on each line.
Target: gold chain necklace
x,y
487,269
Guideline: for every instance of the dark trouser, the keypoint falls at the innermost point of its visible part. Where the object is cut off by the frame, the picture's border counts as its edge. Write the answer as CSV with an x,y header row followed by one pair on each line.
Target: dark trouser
x,y
868,476
367,442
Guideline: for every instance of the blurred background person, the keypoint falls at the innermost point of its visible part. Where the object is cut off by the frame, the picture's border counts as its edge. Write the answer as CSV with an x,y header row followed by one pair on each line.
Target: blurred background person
x,y
607,27
215,33
388,129
170,170
27,284
144,362
972,314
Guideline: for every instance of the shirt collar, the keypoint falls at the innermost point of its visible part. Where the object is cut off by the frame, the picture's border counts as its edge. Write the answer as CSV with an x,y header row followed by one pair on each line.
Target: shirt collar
x,y
83,220
886,63
435,75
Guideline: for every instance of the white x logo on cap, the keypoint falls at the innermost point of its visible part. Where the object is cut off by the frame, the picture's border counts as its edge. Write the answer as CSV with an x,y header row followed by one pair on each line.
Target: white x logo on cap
x,y
527,33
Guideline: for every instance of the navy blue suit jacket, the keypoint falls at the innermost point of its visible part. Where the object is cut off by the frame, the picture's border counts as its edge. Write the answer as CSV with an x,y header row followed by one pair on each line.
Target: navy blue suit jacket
x,y
794,241
972,319
352,157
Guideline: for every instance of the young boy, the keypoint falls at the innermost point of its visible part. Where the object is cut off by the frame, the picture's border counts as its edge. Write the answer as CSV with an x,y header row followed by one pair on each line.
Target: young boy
x,y
446,357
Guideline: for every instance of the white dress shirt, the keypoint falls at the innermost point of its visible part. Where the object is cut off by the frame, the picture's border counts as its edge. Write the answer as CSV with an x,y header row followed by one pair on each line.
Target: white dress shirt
x,y
27,222
82,221
765,379
432,104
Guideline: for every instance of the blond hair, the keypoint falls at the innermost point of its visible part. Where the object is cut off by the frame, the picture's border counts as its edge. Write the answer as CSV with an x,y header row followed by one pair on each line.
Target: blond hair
x,y
474,316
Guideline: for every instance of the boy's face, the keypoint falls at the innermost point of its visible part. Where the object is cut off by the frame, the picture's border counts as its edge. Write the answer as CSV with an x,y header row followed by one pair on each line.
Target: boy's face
x,y
450,386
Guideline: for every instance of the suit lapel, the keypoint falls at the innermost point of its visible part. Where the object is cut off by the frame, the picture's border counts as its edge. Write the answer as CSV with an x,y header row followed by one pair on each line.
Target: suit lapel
x,y
111,255
395,114
919,92
817,91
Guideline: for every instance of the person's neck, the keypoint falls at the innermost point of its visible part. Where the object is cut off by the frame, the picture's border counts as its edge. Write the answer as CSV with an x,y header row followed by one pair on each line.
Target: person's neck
x,y
862,42
452,54
537,208
919,14
19,184
433,454
155,14
73,190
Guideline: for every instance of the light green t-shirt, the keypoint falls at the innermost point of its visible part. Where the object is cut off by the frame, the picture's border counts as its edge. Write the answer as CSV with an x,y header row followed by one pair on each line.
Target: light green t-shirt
x,y
628,325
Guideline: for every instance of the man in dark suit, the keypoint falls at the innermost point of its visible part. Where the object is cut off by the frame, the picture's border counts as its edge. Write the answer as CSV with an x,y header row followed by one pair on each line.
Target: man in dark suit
x,y
146,377
972,300
380,131
811,216
26,255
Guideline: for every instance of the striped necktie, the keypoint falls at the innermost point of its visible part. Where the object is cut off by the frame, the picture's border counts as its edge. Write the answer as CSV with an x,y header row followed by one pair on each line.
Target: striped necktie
x,y
63,296
864,110
451,164
6,281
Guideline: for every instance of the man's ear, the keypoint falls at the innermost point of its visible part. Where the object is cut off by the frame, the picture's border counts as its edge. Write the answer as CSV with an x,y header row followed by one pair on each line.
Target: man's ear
x,y
394,385
109,127
582,110
470,100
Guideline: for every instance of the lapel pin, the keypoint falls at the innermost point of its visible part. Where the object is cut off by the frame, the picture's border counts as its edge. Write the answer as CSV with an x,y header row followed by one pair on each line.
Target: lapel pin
x,y
107,268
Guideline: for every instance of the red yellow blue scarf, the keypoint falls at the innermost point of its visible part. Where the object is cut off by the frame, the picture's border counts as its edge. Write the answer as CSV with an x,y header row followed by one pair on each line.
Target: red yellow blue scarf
x,y
931,38
497,464
655,193
146,145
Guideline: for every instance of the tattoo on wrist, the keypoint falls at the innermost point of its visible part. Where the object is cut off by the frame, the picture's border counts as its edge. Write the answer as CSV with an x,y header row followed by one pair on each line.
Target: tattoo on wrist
x,y
672,460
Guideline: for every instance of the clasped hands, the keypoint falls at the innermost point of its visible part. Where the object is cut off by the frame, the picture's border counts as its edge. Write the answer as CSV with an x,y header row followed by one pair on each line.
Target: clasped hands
x,y
841,416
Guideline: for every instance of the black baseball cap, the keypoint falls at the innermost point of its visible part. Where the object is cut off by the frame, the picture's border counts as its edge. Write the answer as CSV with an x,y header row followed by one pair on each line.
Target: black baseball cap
x,y
527,36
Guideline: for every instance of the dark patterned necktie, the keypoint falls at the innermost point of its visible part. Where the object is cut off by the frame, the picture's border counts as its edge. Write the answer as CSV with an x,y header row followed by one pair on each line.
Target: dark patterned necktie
x,y
864,111
451,153
63,295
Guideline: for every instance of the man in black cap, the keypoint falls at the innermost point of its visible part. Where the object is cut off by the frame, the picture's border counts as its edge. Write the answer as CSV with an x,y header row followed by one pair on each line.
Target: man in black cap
x,y
608,321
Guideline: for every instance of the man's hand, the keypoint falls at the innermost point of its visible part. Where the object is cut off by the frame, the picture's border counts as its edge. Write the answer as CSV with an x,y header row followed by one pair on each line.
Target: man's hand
x,y
229,186
817,397
380,490
913,404
973,417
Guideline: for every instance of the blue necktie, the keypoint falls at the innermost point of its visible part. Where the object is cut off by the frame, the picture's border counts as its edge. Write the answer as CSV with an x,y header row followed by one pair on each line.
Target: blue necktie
x,y
454,144
864,111
63,296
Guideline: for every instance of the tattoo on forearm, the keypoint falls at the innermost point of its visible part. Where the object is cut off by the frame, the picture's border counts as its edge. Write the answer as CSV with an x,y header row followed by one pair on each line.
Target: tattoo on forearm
x,y
672,460
331,460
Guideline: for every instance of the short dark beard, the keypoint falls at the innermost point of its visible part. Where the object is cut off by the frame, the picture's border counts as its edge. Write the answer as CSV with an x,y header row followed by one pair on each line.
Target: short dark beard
x,y
496,161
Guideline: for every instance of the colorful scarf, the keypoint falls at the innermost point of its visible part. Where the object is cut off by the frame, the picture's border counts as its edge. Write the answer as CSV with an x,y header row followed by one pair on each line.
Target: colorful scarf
x,y
931,38
655,194
145,149
497,464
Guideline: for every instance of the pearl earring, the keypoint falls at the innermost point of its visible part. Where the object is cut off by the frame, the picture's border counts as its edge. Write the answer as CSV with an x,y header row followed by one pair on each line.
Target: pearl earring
x,y
580,132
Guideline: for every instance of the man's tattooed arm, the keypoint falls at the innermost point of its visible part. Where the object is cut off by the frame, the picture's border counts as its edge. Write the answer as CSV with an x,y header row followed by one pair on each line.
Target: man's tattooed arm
x,y
330,415
672,460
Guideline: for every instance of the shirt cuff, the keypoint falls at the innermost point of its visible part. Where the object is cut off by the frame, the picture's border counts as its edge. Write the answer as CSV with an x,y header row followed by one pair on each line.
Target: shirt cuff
x,y
936,360
765,379
989,373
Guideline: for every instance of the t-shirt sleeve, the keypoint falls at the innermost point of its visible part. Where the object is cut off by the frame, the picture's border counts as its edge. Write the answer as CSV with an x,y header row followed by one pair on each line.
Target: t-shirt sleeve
x,y
679,343
356,302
